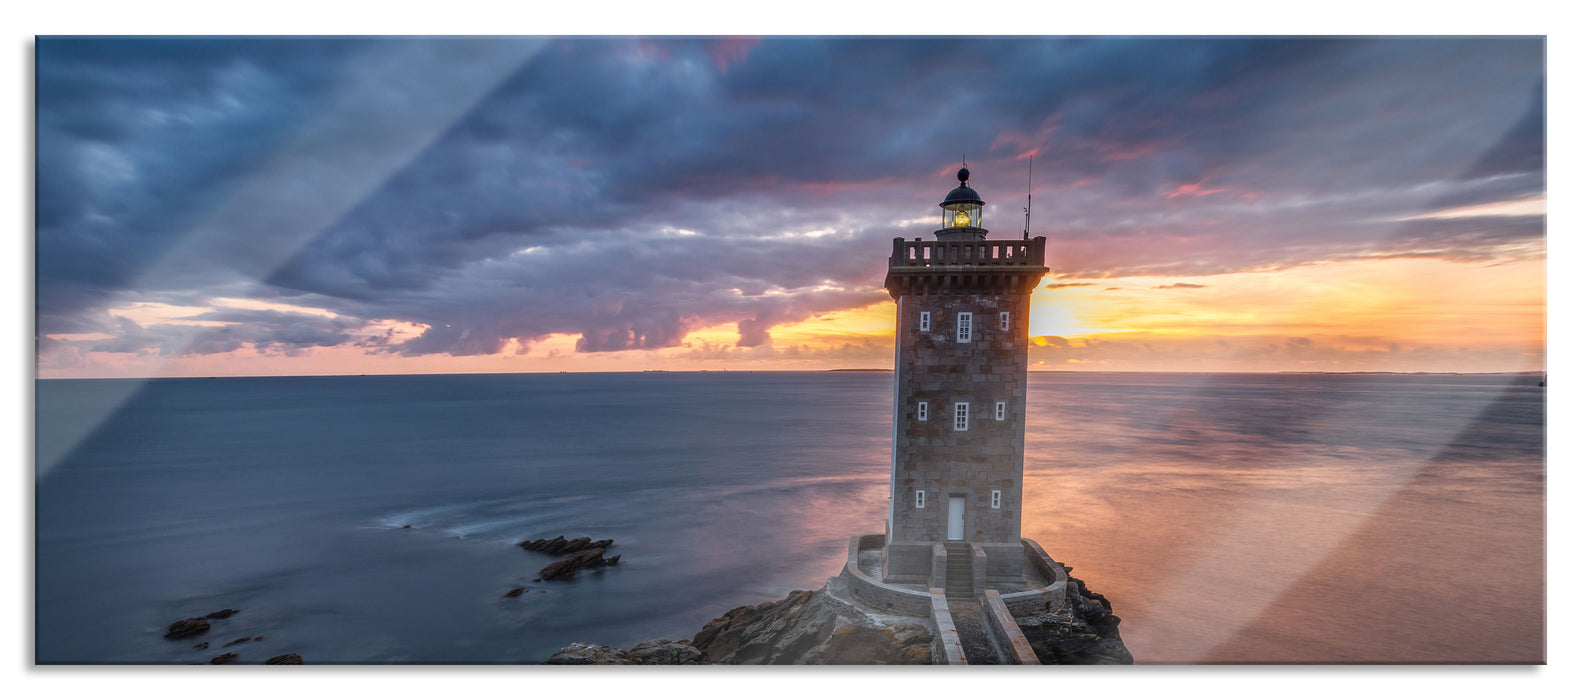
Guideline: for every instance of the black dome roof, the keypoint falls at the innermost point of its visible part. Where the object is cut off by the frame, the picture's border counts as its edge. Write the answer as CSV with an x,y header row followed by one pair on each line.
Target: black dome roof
x,y
962,194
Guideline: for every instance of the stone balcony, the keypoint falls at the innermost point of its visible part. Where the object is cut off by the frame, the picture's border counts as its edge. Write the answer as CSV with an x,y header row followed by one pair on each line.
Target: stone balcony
x,y
920,266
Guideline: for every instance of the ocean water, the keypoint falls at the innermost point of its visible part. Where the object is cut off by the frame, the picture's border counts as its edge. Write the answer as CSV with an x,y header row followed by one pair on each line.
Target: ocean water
x,y
1229,518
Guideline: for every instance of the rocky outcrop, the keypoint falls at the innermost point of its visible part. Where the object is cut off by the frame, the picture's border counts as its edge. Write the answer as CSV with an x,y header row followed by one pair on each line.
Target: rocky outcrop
x,y
194,626
582,553
669,652
827,627
568,567
580,654
1084,631
811,627
285,660
190,627
807,627
654,652
561,545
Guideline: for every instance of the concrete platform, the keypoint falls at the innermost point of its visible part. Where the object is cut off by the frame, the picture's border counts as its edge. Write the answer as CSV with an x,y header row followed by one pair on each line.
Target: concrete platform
x,y
1042,589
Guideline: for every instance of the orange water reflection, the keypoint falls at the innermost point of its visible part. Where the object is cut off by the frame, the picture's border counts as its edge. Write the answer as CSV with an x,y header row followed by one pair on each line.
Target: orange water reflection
x,y
1273,520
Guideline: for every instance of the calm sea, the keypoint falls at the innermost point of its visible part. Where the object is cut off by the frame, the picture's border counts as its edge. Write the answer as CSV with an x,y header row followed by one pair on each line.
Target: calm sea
x,y
1229,518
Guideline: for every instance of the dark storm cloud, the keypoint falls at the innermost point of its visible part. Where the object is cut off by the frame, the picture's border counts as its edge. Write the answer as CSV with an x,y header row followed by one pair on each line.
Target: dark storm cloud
x,y
633,190
270,332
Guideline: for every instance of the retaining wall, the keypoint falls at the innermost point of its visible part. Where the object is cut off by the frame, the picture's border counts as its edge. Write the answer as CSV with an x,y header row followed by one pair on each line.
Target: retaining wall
x,y
947,644
1007,635
1048,598
873,593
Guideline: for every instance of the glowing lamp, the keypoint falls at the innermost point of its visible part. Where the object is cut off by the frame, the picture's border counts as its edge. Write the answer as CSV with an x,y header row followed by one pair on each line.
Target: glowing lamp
x,y
963,209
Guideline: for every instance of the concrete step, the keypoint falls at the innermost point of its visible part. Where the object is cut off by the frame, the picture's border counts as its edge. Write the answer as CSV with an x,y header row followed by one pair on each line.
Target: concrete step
x,y
958,571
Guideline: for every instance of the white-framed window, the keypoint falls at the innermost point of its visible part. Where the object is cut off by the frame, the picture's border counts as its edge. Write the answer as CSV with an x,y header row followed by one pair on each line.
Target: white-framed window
x,y
999,410
964,327
961,415
925,321
994,499
1005,320
922,411
921,499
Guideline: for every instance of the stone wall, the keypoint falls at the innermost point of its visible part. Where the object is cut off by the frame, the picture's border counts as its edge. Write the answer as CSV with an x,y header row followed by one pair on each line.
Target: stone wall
x,y
908,562
980,568
1004,563
1007,634
933,456
1049,598
874,594
947,644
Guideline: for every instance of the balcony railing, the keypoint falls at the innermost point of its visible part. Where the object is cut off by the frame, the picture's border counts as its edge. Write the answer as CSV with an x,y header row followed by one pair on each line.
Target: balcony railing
x,y
1029,253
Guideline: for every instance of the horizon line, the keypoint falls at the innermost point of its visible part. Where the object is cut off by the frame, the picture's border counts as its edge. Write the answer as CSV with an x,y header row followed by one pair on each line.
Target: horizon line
x,y
783,371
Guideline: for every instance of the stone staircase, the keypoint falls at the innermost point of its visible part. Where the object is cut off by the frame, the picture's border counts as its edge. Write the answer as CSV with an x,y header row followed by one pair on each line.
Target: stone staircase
x,y
958,571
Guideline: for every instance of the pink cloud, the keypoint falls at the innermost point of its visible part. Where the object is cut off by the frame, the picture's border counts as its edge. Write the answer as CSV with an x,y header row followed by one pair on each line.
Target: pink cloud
x,y
731,50
1028,145
1194,189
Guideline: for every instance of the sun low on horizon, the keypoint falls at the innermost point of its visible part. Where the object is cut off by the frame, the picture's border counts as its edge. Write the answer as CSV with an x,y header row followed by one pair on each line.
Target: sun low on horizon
x,y
435,205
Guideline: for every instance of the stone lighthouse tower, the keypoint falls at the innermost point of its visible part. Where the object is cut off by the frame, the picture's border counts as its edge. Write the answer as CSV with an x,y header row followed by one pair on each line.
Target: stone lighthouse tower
x,y
960,401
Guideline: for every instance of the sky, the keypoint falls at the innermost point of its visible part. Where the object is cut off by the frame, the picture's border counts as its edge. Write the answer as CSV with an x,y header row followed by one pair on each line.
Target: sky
x,y
209,207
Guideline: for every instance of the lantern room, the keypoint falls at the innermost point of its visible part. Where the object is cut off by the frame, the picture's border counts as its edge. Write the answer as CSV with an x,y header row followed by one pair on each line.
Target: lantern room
x,y
962,215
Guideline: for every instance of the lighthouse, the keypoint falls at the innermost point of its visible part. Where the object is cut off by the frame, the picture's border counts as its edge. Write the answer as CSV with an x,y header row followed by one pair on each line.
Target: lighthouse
x,y
962,299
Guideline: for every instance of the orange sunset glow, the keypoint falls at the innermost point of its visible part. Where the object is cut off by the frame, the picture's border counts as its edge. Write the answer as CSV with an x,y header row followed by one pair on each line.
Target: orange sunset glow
x,y
518,229
1371,315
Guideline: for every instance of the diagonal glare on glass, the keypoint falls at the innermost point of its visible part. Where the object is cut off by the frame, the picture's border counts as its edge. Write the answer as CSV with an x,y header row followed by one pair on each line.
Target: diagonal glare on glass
x,y
392,103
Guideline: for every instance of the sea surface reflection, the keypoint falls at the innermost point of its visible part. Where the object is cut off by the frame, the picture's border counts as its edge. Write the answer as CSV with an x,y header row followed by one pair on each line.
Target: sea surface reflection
x,y
1229,518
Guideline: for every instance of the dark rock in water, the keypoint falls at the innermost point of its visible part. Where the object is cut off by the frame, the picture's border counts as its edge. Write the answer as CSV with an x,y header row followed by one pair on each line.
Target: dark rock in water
x,y
220,614
568,567
561,545
538,545
259,638
612,561
190,627
201,645
514,592
223,659
406,527
235,642
579,654
285,660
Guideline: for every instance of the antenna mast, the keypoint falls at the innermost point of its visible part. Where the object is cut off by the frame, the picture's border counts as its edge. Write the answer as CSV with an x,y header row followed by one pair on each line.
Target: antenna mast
x,y
1027,211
